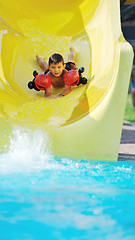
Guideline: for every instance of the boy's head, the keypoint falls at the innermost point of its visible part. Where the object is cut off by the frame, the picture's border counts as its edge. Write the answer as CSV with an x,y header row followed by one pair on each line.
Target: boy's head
x,y
56,58
56,64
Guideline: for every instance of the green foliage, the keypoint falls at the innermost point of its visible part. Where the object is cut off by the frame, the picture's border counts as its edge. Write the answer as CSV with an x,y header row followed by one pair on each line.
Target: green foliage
x,y
129,112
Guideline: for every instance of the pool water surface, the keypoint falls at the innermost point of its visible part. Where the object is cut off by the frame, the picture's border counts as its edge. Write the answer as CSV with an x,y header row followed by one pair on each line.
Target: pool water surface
x,y
44,197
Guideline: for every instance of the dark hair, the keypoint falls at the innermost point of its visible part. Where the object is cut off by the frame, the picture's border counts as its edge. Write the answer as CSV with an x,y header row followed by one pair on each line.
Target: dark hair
x,y
56,58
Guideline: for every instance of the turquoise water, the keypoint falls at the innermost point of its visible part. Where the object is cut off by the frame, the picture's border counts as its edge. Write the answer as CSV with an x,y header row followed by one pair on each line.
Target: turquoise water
x,y
44,197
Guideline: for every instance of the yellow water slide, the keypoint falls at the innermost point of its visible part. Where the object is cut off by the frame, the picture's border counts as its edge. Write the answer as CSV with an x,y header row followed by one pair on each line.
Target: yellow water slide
x,y
87,123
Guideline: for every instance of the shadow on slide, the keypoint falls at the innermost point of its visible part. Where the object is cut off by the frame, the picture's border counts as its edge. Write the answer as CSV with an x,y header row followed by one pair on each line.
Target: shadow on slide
x,y
87,122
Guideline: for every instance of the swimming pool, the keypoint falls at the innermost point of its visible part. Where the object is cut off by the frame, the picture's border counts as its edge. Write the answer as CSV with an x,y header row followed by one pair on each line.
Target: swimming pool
x,y
44,197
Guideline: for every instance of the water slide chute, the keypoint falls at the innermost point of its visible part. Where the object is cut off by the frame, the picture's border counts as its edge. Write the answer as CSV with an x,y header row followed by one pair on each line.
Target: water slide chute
x,y
86,123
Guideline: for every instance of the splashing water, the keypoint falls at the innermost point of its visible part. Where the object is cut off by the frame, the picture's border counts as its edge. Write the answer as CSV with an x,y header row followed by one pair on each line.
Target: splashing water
x,y
44,197
28,152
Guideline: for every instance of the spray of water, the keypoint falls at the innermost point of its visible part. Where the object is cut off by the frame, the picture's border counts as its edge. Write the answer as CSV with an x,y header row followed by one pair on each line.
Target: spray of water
x,y
28,152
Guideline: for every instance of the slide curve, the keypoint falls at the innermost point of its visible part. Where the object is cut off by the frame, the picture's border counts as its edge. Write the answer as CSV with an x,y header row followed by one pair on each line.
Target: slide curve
x,y
87,123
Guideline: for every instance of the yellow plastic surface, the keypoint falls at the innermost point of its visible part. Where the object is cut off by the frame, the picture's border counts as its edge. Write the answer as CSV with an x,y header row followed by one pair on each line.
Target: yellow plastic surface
x,y
87,122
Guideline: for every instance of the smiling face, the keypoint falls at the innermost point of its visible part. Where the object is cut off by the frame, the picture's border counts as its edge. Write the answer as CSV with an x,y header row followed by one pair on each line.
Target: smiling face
x,y
56,68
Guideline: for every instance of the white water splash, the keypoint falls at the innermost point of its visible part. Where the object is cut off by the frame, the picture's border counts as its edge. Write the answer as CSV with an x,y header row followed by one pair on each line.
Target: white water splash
x,y
28,152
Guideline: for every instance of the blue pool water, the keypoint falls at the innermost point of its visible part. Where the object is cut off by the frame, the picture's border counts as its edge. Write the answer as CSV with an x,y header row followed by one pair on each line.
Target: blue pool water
x,y
44,197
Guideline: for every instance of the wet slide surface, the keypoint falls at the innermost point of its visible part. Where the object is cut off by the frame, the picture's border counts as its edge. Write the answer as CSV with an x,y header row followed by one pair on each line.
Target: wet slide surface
x,y
39,30
44,28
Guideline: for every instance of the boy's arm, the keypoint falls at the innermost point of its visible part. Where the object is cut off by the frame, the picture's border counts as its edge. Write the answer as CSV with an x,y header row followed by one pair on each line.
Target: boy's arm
x,y
48,92
66,91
